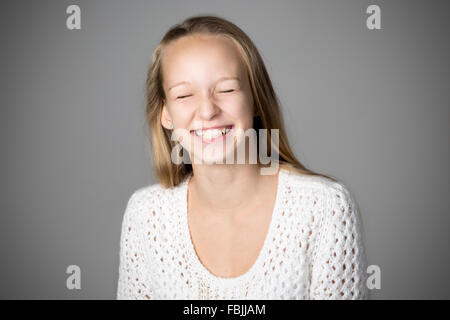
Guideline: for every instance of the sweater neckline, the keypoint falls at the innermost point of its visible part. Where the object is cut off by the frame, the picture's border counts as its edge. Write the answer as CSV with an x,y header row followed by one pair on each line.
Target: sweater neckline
x,y
198,266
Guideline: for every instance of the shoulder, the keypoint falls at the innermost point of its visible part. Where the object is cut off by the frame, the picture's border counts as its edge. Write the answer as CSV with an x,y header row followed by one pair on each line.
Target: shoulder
x,y
327,186
321,191
334,204
144,195
150,199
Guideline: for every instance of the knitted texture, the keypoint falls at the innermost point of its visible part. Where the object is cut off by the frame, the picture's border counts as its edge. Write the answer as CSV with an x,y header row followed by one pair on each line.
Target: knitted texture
x,y
313,248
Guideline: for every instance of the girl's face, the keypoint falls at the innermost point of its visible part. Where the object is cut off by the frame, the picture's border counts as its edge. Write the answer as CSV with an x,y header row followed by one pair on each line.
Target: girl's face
x,y
206,85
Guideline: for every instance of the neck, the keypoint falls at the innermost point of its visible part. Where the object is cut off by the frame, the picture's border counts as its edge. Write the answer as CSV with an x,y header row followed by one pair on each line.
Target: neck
x,y
225,189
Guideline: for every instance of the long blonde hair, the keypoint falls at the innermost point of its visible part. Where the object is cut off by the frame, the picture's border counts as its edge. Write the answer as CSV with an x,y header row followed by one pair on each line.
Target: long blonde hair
x,y
266,101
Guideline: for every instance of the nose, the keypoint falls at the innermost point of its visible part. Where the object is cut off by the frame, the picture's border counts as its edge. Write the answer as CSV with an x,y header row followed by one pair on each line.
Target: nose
x,y
207,109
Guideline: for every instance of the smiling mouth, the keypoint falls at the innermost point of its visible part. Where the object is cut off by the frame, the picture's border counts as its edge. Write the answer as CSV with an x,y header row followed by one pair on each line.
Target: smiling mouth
x,y
212,135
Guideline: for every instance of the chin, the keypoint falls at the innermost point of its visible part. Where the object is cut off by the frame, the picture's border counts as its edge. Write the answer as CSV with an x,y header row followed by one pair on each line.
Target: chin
x,y
212,154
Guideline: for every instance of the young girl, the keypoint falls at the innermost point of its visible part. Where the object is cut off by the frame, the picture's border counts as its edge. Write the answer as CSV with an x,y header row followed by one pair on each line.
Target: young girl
x,y
217,230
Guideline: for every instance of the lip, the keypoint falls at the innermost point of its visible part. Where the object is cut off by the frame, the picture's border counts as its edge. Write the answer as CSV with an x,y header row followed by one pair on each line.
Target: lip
x,y
216,127
219,138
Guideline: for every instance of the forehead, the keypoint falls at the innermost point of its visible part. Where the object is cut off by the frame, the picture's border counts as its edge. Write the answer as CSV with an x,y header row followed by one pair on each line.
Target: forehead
x,y
199,52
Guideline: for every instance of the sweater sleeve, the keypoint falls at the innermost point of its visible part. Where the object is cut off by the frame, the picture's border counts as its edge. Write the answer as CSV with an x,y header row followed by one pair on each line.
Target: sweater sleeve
x,y
132,283
339,265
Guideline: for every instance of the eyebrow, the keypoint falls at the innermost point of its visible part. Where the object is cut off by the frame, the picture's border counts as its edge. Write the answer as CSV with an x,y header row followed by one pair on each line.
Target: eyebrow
x,y
218,80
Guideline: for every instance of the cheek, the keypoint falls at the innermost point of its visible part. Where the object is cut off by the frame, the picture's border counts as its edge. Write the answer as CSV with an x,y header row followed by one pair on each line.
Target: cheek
x,y
243,113
182,112
239,108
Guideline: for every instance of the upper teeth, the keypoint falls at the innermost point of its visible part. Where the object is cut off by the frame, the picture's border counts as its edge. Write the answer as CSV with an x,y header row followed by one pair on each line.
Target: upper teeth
x,y
211,133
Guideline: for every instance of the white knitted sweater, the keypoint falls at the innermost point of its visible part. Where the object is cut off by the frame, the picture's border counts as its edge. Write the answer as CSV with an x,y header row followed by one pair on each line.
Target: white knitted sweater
x,y
313,249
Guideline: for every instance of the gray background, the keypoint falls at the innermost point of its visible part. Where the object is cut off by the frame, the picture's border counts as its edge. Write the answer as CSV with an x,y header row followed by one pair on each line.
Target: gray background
x,y
370,107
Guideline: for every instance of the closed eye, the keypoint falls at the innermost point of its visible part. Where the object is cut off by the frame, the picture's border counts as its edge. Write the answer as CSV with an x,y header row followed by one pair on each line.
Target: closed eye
x,y
182,97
